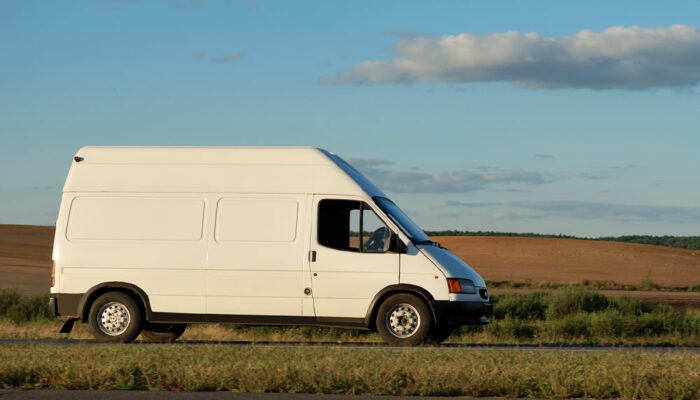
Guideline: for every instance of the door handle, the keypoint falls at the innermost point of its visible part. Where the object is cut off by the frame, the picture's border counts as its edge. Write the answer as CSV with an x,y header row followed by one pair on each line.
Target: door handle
x,y
312,255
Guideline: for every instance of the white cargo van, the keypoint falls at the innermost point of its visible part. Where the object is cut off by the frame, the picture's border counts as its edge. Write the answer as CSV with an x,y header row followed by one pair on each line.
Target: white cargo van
x,y
149,239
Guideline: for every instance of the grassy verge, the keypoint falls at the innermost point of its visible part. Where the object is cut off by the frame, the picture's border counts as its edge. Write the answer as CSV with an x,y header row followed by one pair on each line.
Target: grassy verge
x,y
499,332
422,371
572,316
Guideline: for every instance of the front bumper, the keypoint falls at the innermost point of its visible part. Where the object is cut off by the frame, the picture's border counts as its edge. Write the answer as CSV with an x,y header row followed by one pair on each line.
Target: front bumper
x,y
455,313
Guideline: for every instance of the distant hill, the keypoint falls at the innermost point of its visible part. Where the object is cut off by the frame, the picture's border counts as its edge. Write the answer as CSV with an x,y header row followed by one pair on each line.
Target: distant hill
x,y
679,242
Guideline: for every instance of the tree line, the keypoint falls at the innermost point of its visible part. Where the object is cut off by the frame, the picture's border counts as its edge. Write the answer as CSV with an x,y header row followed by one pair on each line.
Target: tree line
x,y
680,242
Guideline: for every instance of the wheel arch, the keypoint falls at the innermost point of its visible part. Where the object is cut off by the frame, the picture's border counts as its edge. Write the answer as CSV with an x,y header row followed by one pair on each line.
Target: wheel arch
x,y
391,290
133,291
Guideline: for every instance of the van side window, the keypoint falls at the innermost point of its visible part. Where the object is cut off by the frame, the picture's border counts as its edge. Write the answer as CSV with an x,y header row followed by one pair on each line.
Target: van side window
x,y
345,224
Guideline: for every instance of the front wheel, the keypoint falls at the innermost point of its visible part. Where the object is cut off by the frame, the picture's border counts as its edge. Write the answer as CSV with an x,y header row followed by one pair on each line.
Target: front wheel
x,y
163,333
115,317
403,320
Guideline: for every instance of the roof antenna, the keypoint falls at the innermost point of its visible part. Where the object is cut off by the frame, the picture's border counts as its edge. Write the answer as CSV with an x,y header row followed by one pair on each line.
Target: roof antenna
x,y
78,159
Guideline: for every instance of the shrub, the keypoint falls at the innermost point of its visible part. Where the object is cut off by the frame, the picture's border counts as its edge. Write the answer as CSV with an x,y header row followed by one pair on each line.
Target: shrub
x,y
532,306
573,300
608,323
511,328
648,283
630,306
28,309
20,309
570,326
8,298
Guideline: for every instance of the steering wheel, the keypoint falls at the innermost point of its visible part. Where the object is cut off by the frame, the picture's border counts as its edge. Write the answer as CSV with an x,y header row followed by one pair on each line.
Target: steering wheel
x,y
377,240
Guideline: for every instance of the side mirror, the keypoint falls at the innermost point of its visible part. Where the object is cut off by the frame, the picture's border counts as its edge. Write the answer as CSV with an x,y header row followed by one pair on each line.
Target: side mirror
x,y
396,245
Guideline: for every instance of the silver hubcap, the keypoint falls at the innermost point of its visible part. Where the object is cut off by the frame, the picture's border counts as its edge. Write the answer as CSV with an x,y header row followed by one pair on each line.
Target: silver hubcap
x,y
403,320
113,319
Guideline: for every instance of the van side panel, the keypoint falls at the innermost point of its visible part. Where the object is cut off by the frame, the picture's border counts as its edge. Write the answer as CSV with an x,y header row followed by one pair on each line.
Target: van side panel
x,y
418,270
256,255
135,218
155,242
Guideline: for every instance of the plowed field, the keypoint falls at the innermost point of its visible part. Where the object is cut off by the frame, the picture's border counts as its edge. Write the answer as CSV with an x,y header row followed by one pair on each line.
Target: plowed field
x,y
25,261
523,259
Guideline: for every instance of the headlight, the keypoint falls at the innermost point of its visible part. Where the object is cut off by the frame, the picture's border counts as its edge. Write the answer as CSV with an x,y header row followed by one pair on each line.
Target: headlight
x,y
461,286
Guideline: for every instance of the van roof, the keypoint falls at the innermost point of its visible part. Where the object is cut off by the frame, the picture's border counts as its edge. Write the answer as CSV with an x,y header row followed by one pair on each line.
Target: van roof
x,y
147,169
200,155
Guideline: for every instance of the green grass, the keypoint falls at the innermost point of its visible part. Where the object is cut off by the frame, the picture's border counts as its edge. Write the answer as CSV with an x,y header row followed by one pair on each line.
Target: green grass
x,y
19,308
421,371
574,315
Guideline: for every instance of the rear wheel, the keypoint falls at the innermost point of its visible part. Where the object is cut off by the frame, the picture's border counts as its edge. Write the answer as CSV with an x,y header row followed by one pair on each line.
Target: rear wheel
x,y
163,333
115,317
403,320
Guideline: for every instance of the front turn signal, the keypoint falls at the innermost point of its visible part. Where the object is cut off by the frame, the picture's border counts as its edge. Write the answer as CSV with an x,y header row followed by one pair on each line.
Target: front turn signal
x,y
461,286
453,285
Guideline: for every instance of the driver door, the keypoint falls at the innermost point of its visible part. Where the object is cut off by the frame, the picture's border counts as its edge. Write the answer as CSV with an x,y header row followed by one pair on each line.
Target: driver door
x,y
350,261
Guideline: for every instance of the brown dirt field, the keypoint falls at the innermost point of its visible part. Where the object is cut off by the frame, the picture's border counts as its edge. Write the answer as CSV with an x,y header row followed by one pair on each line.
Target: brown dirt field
x,y
544,260
25,261
25,258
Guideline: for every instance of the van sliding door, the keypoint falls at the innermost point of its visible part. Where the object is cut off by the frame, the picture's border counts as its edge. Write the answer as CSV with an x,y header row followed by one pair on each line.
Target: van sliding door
x,y
256,255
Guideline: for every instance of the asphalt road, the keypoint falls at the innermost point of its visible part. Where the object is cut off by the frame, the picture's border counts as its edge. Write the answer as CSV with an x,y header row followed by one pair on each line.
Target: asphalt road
x,y
445,347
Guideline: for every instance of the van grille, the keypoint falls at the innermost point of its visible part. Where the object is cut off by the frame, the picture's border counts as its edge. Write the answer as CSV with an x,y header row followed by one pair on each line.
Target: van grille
x,y
484,294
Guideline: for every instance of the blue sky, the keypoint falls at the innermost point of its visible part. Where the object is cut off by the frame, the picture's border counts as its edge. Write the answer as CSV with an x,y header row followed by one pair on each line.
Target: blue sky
x,y
584,119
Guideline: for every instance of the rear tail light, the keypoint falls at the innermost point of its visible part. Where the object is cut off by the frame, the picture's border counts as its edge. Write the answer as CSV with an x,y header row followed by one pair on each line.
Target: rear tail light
x,y
53,273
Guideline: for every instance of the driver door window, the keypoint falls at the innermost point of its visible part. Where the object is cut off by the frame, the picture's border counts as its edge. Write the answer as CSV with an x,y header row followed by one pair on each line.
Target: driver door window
x,y
375,234
351,226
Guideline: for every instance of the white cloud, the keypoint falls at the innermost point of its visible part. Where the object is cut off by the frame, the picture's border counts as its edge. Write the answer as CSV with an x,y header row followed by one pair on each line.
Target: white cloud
x,y
444,182
543,156
616,58
591,210
467,204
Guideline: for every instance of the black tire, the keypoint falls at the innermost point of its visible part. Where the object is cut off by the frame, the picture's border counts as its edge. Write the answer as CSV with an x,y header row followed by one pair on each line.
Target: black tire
x,y
440,333
115,317
404,320
163,333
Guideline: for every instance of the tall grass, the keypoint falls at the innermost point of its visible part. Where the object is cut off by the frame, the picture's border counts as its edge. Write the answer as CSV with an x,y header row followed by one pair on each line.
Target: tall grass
x,y
578,313
422,371
573,315
20,309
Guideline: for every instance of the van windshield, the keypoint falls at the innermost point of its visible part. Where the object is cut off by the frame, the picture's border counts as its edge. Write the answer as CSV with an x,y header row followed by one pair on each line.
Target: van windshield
x,y
408,227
